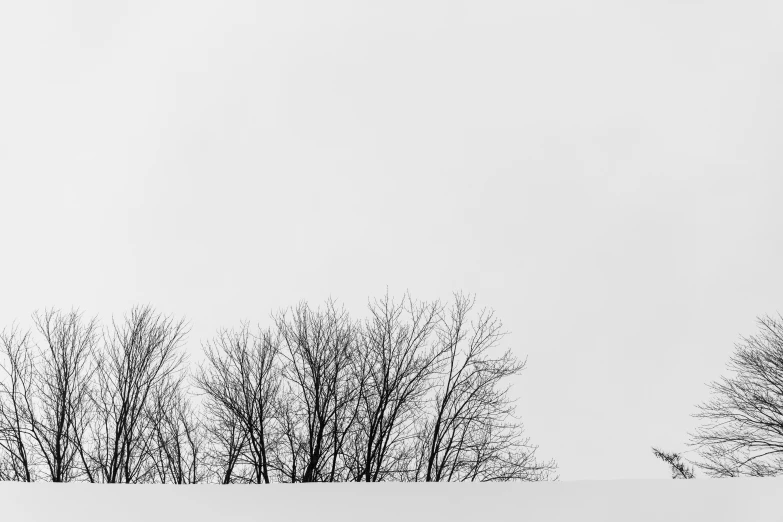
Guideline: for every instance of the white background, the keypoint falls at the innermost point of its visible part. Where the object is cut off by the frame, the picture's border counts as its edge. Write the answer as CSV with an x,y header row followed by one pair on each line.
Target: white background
x,y
605,174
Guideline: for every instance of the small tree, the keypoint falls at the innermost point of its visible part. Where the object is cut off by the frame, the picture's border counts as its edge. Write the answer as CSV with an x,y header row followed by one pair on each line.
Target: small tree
x,y
679,469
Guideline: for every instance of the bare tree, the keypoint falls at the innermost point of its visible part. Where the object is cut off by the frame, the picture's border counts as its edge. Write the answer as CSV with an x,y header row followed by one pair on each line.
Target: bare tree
x,y
178,455
241,382
679,469
58,412
320,398
415,392
141,359
16,388
225,443
395,366
472,433
742,434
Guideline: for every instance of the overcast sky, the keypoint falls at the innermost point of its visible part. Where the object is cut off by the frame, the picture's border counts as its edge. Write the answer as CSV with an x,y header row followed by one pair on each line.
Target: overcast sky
x,y
606,175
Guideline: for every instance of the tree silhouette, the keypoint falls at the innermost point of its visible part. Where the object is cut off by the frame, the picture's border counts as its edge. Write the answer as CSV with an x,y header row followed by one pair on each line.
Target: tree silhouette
x,y
472,433
241,384
140,362
742,433
417,391
679,469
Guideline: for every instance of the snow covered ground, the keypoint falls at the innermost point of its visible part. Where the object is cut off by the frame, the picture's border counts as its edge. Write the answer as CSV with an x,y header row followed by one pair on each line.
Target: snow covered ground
x,y
735,500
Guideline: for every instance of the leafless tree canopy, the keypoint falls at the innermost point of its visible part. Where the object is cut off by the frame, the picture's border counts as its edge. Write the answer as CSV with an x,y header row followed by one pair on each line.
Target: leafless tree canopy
x,y
742,431
471,432
319,395
241,381
17,461
140,363
416,391
44,398
394,372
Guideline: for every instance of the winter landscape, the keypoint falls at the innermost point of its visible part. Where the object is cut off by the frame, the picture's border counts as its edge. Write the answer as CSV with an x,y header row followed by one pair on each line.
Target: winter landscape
x,y
388,260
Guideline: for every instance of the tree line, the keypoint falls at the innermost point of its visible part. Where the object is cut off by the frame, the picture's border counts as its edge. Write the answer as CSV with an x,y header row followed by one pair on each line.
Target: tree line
x,y
416,391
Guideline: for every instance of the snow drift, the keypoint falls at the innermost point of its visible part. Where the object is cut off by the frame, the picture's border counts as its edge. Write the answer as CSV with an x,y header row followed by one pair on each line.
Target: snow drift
x,y
735,500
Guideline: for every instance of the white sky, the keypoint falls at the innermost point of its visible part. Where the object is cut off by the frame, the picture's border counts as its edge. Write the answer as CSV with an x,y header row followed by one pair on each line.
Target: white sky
x,y
605,174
